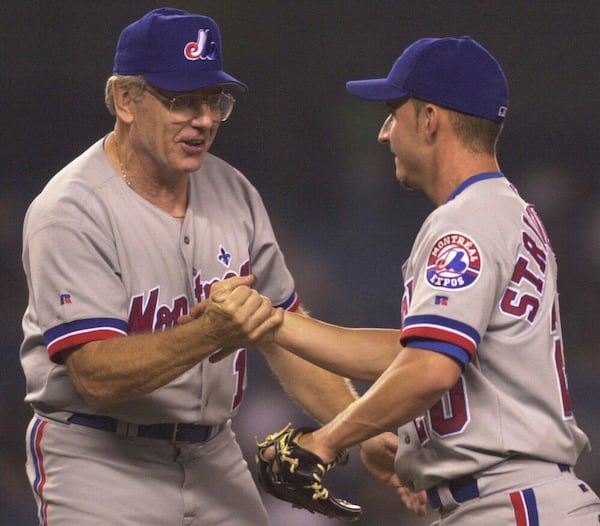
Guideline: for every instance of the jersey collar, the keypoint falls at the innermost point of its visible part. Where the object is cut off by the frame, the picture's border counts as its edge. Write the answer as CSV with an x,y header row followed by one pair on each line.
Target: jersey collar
x,y
472,180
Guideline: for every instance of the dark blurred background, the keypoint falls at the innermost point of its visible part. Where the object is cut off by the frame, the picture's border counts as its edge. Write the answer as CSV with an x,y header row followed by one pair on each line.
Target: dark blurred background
x,y
343,222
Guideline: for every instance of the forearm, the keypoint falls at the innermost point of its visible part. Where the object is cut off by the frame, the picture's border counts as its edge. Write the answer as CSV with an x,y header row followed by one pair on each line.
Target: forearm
x,y
113,371
411,385
320,393
360,354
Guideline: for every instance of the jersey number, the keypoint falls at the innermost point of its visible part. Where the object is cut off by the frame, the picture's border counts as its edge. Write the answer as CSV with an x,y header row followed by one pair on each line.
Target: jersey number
x,y
450,415
559,363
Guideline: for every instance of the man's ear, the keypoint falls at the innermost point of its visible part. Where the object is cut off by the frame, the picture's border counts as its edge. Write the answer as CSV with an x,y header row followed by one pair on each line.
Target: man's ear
x,y
123,103
431,116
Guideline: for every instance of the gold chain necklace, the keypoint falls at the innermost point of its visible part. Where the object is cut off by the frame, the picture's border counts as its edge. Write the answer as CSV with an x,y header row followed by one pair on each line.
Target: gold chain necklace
x,y
124,173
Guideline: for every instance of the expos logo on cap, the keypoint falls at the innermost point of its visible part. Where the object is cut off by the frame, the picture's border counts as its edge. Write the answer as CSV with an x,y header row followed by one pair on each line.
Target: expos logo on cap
x,y
174,50
205,48
453,263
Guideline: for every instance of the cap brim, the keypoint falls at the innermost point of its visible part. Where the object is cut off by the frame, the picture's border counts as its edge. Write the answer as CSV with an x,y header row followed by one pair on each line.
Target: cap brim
x,y
179,82
374,89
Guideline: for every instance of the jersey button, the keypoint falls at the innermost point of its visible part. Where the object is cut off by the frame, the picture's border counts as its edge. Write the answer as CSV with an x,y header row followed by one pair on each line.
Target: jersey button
x,y
186,240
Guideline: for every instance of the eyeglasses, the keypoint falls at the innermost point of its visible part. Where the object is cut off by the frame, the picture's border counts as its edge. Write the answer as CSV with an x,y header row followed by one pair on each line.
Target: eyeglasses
x,y
187,106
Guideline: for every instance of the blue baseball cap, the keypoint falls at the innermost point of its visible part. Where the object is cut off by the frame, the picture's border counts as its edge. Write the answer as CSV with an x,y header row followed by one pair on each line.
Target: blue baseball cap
x,y
173,50
457,73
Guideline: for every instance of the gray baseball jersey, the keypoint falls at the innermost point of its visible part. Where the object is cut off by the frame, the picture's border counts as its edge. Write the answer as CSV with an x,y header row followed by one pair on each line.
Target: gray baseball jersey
x,y
103,262
481,287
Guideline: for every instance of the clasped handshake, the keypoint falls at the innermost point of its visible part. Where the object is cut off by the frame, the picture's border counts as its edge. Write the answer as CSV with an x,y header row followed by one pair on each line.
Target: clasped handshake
x,y
236,316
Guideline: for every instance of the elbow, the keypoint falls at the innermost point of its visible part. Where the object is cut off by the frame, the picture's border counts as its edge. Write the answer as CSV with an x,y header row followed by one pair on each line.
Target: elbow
x,y
442,379
364,374
94,390
94,393
98,400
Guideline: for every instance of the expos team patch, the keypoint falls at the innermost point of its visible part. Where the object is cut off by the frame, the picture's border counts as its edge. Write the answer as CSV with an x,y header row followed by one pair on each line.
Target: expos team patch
x,y
453,263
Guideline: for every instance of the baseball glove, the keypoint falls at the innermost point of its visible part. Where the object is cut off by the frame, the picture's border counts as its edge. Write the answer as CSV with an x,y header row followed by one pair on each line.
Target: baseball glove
x,y
296,475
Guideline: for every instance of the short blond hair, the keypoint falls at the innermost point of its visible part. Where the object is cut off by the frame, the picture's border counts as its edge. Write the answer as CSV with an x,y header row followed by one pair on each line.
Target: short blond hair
x,y
478,134
135,84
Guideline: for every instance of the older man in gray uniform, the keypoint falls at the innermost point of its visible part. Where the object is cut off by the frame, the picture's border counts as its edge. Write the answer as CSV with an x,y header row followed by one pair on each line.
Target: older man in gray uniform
x,y
132,422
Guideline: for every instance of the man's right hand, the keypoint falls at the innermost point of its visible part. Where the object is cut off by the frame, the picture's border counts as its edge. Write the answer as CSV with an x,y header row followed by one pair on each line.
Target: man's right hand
x,y
237,316
378,454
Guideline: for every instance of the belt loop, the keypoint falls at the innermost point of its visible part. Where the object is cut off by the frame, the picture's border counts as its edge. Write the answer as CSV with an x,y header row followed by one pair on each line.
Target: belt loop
x,y
132,430
122,428
446,498
126,429
215,431
174,434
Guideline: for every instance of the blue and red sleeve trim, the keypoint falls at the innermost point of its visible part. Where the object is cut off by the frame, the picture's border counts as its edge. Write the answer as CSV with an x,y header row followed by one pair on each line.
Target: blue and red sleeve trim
x,y
440,334
80,332
292,303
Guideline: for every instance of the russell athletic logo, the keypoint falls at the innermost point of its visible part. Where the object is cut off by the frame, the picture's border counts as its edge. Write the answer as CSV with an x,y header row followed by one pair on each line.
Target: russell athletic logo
x,y
454,262
203,49
65,299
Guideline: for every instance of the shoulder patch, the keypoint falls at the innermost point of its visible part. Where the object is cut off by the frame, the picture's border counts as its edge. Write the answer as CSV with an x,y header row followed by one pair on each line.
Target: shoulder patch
x,y
453,263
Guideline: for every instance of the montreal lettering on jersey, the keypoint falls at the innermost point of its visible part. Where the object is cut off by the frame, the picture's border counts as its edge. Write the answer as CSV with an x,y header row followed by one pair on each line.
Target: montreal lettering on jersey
x,y
453,263
146,315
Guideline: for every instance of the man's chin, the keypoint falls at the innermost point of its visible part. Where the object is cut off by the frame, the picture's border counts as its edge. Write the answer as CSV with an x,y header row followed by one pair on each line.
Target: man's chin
x,y
405,184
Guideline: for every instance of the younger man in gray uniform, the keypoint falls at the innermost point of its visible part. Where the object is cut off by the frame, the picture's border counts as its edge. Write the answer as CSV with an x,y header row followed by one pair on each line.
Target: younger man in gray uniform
x,y
475,381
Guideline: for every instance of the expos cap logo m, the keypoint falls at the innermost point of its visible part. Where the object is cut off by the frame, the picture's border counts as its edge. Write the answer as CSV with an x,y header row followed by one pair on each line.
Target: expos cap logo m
x,y
204,48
